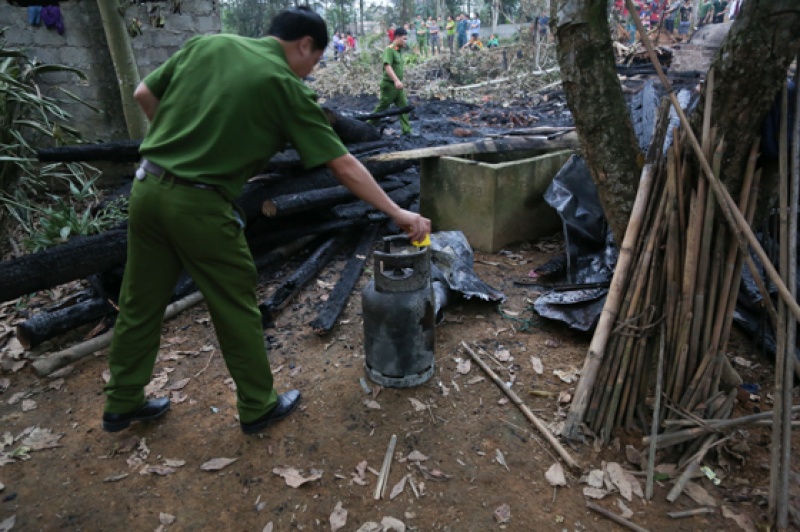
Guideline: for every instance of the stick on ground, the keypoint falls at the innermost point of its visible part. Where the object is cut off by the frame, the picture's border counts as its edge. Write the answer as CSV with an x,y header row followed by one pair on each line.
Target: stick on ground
x,y
538,423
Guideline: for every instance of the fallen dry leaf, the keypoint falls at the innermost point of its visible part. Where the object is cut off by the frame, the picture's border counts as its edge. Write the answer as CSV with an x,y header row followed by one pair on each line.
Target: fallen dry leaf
x,y
501,459
28,405
293,477
39,439
594,493
215,464
627,513
418,405
463,366
390,523
595,478
503,355
115,478
538,367
159,470
698,494
555,475
502,514
166,519
374,405
618,478
416,456
744,522
338,517
398,488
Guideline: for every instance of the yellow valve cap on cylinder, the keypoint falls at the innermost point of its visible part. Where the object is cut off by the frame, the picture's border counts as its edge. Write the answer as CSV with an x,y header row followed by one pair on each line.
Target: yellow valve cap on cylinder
x,y
424,243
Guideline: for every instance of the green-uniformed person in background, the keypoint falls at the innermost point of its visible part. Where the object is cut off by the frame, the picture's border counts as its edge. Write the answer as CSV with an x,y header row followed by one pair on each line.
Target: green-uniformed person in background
x,y
422,35
392,91
220,108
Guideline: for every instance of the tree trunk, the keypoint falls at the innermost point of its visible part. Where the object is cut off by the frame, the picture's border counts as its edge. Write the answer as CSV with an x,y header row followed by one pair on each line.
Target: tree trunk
x,y
595,99
119,46
749,70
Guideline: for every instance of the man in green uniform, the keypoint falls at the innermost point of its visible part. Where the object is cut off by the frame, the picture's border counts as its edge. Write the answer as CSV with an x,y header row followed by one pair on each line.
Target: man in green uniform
x,y
392,91
422,35
220,108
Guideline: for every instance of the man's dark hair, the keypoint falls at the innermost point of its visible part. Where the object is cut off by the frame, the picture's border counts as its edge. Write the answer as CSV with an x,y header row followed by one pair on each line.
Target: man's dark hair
x,y
297,22
399,32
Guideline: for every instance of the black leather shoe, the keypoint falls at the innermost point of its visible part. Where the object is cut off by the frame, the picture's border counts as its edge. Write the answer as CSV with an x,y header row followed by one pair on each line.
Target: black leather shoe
x,y
286,403
152,409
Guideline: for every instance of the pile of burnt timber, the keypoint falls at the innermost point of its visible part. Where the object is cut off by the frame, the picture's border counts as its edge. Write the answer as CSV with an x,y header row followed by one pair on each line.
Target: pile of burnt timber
x,y
283,207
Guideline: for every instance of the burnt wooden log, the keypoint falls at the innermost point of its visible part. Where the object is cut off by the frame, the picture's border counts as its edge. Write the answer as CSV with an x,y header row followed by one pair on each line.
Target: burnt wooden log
x,y
122,151
258,191
331,309
288,234
314,199
46,325
290,287
75,259
289,159
385,114
402,196
351,130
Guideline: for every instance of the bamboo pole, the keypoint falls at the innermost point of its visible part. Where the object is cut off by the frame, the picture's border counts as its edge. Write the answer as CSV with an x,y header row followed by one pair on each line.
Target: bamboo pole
x,y
739,227
614,517
651,454
791,330
609,313
538,423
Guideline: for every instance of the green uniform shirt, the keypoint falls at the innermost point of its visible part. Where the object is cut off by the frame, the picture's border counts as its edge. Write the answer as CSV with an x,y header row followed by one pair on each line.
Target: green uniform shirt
x,y
393,58
229,104
450,27
703,11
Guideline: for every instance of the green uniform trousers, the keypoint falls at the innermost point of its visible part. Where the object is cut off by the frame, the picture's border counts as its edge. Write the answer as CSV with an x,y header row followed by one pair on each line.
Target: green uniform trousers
x,y
390,95
174,227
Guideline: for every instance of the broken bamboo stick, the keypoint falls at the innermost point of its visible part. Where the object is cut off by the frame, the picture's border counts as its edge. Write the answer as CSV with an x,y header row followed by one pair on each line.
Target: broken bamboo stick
x,y
710,425
651,454
614,517
538,423
380,486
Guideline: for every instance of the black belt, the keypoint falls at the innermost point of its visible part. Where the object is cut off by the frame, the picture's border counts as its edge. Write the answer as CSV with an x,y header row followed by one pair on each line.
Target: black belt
x,y
161,173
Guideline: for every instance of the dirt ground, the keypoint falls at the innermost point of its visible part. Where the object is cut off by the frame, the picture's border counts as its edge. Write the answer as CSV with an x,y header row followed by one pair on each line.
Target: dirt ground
x,y
464,449
461,422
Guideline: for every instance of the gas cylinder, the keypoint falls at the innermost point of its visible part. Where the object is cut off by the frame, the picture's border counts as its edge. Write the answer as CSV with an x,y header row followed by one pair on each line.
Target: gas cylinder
x,y
398,310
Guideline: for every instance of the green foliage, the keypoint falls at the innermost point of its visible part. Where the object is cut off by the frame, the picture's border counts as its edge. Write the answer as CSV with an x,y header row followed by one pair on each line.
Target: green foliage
x,y
29,118
250,18
56,218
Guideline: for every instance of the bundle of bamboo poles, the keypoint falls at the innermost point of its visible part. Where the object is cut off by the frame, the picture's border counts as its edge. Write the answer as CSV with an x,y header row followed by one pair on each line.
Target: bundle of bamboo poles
x,y
679,301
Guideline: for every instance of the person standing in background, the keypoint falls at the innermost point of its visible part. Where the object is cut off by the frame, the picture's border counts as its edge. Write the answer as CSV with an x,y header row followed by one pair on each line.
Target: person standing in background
x,y
461,30
422,35
433,36
450,28
474,25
